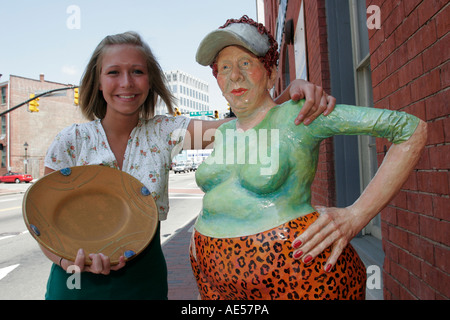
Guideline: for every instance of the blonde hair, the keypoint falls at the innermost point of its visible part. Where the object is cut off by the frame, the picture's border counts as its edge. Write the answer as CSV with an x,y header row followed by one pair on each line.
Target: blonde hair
x,y
92,103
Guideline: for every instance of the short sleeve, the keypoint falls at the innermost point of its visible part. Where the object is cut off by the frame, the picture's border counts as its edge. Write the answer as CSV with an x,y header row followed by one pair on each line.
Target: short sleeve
x,y
172,131
62,151
395,126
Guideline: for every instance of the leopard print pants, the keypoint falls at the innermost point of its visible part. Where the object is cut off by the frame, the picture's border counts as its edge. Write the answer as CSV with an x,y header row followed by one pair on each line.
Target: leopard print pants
x,y
261,266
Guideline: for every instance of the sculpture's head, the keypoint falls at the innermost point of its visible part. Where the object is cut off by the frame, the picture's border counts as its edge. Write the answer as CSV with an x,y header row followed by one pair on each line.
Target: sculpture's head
x,y
243,56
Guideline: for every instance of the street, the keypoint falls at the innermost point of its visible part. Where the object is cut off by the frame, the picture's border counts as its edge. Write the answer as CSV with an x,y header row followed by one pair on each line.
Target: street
x,y
23,267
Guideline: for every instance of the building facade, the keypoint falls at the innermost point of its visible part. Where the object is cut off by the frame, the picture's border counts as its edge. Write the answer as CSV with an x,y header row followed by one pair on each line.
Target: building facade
x,y
385,54
191,93
25,135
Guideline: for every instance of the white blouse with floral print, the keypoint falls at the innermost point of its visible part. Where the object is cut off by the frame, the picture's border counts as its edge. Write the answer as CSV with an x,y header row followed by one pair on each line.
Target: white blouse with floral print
x,y
151,146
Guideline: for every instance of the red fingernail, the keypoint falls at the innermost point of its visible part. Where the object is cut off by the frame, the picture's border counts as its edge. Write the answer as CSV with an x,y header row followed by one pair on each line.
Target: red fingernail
x,y
328,268
296,244
307,259
298,254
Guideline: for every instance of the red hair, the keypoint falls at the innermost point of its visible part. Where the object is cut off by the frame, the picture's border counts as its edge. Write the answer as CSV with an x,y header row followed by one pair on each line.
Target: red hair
x,y
270,59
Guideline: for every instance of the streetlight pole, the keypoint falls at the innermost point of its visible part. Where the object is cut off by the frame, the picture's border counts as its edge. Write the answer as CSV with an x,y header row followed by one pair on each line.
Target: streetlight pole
x,y
25,162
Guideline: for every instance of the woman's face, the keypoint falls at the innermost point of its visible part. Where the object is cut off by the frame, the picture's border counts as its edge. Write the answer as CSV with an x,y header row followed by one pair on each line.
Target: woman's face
x,y
243,79
124,79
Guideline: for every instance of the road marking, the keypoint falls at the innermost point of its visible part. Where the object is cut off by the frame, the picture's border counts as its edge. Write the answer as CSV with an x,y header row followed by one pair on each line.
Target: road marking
x,y
4,271
12,235
12,208
12,199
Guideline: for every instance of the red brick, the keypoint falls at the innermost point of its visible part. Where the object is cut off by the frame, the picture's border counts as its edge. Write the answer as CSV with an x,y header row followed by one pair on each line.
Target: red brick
x,y
408,220
420,247
434,229
406,29
443,21
447,129
421,289
433,182
442,257
398,236
400,98
420,203
421,40
411,71
418,109
411,183
436,279
436,132
445,75
396,16
391,286
427,9
437,106
440,157
436,54
426,85
400,274
410,6
441,205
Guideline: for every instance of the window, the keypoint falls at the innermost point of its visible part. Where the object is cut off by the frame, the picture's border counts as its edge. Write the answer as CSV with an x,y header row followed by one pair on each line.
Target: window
x,y
3,95
368,163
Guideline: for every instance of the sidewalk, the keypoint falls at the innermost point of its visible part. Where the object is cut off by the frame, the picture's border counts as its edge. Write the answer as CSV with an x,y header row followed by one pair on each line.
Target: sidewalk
x,y
182,285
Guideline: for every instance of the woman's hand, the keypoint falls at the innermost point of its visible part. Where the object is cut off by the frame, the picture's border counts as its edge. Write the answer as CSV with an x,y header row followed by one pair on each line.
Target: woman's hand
x,y
317,101
335,227
100,263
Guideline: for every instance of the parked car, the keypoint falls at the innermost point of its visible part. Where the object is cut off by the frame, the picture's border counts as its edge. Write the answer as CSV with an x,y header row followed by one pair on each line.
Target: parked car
x,y
189,166
180,167
16,177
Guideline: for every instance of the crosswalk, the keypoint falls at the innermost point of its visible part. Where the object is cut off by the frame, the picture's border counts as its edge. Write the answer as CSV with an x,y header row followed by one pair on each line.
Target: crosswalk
x,y
4,271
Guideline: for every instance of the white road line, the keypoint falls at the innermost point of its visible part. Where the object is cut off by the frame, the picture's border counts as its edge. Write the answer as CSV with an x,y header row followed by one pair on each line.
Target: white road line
x,y
9,209
4,271
14,235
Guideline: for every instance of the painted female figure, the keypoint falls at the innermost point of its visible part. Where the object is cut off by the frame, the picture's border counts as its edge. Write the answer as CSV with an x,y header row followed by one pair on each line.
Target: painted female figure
x,y
258,235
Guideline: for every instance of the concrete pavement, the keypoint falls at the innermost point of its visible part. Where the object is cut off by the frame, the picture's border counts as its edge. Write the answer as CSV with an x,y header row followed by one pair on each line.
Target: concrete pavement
x,y
182,285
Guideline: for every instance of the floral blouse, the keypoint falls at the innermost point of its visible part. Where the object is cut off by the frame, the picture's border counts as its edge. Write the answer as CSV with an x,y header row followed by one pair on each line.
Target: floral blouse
x,y
151,146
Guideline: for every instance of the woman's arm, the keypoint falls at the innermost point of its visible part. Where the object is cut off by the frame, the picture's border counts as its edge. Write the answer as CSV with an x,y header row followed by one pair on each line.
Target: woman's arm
x,y
200,134
337,226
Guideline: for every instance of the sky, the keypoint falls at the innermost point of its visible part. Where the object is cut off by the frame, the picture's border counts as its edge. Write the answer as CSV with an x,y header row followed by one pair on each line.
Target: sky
x,y
57,37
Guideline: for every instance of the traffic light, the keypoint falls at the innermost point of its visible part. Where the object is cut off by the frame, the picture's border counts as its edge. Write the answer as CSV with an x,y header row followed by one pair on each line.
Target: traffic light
x,y
176,112
76,96
216,114
33,104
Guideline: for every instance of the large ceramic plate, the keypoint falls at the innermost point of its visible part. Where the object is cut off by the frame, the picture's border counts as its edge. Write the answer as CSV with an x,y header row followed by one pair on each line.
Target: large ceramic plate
x,y
96,208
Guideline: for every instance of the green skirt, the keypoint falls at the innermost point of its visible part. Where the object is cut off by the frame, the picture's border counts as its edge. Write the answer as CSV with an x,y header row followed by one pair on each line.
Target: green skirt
x,y
144,277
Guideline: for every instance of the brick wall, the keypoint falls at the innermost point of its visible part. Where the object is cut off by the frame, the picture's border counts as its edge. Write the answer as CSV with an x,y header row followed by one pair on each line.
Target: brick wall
x,y
37,129
323,188
410,72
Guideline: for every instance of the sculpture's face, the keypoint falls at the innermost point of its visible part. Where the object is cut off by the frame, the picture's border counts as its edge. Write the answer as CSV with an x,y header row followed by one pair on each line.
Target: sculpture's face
x,y
243,79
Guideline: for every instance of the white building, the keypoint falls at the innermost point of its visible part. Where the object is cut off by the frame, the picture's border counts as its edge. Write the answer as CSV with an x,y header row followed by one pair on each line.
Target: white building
x,y
192,94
